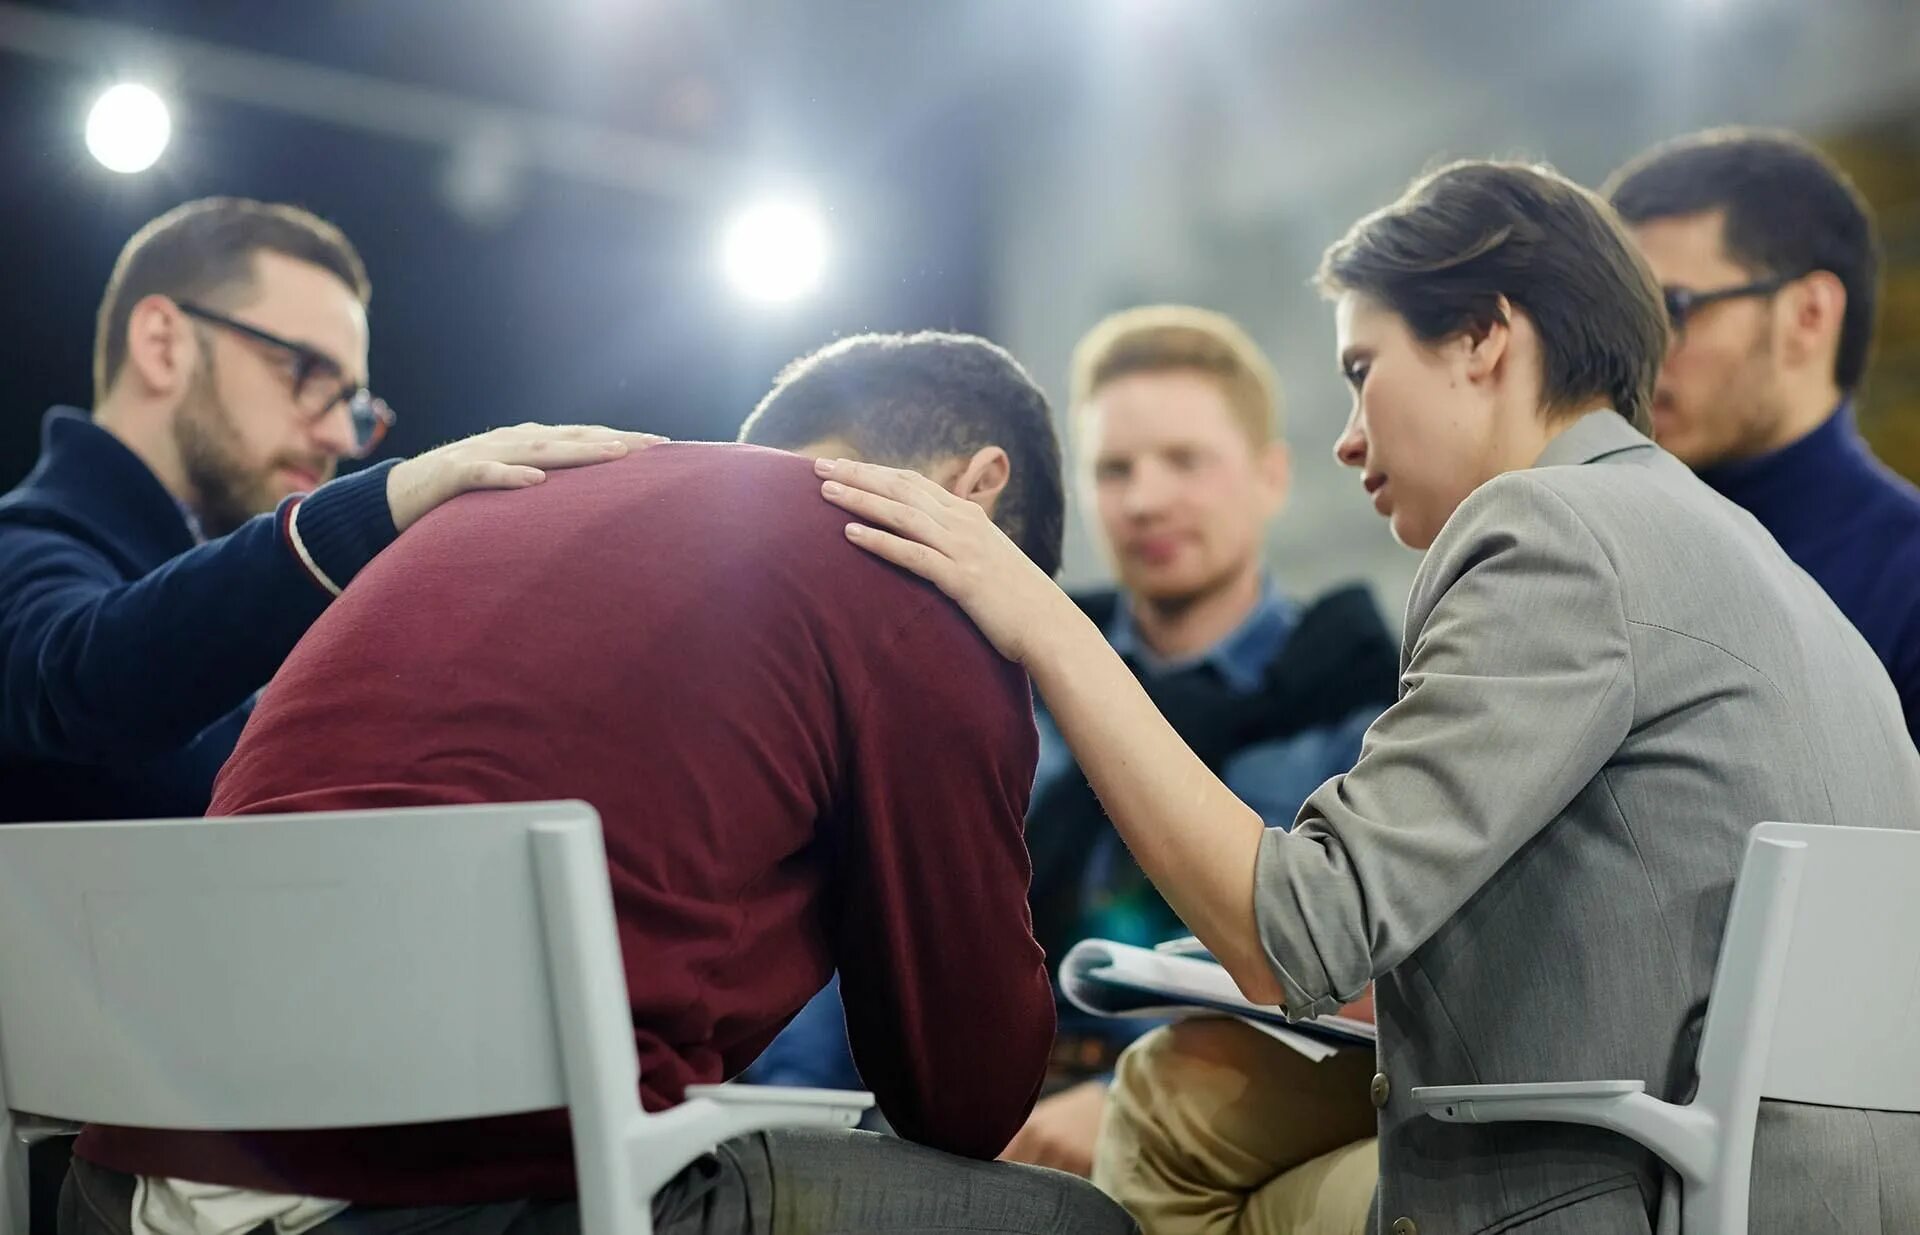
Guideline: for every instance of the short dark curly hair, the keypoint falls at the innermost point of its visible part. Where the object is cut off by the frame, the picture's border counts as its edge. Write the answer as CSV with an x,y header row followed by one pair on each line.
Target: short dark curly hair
x,y
907,400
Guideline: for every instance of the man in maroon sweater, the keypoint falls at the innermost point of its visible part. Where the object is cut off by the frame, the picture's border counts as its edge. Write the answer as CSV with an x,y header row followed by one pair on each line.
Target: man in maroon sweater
x,y
787,785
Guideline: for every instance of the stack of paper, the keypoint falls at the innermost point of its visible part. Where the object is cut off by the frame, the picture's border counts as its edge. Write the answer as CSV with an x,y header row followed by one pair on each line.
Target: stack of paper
x,y
1180,979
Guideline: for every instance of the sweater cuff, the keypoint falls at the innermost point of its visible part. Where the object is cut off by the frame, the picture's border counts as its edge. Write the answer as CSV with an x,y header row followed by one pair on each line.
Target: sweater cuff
x,y
338,528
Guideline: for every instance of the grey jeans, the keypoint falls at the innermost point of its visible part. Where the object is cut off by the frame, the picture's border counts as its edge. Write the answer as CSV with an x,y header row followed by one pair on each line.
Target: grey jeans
x,y
791,1182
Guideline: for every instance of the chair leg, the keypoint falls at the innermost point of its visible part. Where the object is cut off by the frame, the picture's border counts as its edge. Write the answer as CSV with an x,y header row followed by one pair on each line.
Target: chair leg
x,y
594,1024
1718,1204
14,1185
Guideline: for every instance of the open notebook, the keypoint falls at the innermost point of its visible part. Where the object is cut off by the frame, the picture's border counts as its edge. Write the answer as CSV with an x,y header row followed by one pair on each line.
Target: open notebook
x,y
1179,978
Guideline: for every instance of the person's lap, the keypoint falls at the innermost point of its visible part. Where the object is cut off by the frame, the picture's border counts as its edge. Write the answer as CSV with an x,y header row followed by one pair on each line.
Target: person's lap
x,y
1213,1127
1328,1195
765,1184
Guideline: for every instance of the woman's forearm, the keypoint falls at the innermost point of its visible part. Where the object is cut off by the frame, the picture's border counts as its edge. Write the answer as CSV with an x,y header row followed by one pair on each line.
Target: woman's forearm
x,y
1190,834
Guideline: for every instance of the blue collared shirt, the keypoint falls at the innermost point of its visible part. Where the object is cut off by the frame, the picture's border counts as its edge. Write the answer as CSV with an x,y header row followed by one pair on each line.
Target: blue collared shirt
x,y
1272,777
1241,658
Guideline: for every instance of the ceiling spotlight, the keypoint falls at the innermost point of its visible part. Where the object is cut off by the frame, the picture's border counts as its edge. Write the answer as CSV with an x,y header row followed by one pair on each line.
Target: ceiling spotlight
x,y
775,251
128,128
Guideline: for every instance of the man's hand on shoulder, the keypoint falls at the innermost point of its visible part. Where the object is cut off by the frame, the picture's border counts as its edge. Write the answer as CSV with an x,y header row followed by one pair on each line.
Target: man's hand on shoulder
x,y
1062,1130
510,458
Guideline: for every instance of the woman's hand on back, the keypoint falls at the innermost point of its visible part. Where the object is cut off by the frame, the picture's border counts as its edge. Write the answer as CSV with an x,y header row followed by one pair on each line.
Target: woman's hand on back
x,y
912,522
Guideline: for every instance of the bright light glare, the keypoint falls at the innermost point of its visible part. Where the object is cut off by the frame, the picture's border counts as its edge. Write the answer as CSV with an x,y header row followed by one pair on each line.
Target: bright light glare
x,y
775,251
128,128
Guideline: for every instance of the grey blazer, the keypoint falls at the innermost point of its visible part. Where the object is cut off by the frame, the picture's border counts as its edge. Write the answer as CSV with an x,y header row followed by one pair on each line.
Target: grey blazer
x,y
1610,675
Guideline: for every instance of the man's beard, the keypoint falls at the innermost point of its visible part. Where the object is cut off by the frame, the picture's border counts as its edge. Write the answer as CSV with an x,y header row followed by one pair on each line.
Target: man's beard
x,y
1750,403
1172,605
229,492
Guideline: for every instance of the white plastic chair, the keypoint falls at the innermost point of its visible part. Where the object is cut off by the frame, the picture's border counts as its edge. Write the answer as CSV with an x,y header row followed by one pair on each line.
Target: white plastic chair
x,y
1825,914
342,970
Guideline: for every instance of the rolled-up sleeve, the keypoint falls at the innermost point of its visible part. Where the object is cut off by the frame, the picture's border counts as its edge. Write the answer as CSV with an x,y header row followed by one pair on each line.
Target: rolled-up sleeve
x,y
1518,688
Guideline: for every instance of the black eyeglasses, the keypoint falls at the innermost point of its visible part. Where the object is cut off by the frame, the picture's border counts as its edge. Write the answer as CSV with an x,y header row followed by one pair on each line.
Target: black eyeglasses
x,y
1682,303
318,387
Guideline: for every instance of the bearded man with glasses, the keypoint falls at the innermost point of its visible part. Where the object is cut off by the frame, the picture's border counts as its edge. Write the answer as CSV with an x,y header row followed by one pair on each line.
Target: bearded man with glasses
x,y
171,546
1770,265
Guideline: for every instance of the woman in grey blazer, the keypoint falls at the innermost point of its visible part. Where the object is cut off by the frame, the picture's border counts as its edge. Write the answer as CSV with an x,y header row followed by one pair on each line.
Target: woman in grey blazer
x,y
1610,675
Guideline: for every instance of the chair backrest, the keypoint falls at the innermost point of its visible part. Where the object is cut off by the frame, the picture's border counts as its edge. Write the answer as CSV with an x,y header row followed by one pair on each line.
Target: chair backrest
x,y
294,971
1843,1026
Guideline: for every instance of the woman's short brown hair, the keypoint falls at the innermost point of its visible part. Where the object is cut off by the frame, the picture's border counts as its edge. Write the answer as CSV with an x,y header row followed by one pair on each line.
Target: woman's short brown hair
x,y
1464,236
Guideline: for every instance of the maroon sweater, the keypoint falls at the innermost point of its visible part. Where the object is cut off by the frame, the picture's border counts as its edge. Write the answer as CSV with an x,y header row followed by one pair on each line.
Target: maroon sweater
x,y
802,759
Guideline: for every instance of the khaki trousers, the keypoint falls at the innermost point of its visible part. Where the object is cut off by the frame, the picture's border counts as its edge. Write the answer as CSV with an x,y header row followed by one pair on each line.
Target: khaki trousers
x,y
1214,1128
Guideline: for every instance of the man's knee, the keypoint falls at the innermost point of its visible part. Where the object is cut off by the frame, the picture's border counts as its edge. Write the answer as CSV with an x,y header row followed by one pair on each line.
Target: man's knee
x,y
1192,1075
1171,1091
1166,1064
1330,1195
1204,1052
1214,1108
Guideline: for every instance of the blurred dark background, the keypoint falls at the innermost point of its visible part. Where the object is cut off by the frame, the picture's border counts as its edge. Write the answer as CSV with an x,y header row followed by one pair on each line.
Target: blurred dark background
x,y
540,191
522,293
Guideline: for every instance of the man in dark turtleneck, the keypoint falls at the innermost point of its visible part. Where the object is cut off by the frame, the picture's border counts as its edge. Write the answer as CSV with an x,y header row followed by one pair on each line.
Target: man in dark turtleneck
x,y
1770,265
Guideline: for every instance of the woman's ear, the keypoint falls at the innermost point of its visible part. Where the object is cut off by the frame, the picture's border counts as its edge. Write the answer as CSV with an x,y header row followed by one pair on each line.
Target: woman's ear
x,y
1488,344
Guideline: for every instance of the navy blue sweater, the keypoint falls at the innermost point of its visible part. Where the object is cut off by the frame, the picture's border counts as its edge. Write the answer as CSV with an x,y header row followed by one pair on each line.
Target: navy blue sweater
x,y
130,654
1853,525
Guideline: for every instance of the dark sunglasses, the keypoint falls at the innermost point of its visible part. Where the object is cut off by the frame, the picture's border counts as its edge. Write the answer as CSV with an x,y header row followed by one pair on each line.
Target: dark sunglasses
x,y
318,387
